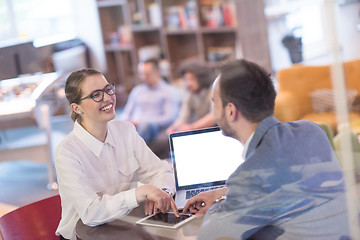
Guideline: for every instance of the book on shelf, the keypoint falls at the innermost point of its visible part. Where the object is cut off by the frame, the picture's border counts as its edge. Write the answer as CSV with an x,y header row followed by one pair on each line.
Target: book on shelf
x,y
217,13
155,15
172,18
182,16
228,12
218,54
191,14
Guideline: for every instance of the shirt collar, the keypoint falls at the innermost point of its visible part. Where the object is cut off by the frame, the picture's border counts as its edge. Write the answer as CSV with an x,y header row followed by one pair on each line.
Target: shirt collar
x,y
90,141
260,131
157,86
246,146
110,139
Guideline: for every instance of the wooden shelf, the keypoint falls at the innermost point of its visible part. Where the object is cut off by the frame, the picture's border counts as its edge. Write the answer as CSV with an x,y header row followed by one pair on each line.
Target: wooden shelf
x,y
110,3
181,31
154,24
144,28
118,47
218,29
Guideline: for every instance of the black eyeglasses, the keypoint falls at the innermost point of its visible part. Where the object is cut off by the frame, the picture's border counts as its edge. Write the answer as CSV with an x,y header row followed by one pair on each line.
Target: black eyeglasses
x,y
98,95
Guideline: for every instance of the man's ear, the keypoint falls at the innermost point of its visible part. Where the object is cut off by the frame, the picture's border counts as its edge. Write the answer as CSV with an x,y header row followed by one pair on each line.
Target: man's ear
x,y
231,112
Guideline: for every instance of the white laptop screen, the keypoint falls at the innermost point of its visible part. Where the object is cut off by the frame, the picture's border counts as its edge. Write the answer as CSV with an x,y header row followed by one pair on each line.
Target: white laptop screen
x,y
204,157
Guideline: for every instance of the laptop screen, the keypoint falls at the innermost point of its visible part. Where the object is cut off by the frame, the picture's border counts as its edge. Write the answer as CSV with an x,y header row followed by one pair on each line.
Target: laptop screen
x,y
203,157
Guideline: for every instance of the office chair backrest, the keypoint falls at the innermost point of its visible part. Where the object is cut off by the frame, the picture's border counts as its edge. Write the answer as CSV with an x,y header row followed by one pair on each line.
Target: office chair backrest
x,y
355,148
329,132
37,220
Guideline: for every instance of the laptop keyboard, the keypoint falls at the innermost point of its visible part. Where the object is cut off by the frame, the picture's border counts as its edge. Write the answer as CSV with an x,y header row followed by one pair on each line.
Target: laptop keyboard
x,y
194,192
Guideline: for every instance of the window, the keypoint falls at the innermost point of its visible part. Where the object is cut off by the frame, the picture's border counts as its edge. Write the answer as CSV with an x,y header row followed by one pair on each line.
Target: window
x,y
31,19
307,22
300,20
5,25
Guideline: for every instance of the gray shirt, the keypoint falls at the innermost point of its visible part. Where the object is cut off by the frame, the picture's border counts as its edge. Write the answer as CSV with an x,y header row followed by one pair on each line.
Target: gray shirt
x,y
195,106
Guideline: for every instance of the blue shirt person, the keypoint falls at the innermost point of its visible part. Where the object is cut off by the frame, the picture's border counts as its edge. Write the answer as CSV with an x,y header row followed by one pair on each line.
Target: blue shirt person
x,y
290,186
153,105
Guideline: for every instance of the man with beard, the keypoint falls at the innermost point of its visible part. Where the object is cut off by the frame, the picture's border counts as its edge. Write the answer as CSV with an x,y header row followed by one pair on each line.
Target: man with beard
x,y
290,186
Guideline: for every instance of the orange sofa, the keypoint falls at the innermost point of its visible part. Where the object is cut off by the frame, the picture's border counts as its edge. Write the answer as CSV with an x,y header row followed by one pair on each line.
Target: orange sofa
x,y
296,85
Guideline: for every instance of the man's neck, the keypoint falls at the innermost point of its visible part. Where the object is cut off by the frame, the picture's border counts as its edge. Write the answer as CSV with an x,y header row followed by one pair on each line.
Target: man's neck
x,y
246,130
154,84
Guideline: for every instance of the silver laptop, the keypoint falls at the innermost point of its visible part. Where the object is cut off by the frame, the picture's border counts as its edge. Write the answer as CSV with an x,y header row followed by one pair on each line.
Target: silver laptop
x,y
203,160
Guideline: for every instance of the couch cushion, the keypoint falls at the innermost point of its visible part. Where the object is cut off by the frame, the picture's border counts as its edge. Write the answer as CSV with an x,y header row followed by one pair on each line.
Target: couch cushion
x,y
323,100
325,117
355,126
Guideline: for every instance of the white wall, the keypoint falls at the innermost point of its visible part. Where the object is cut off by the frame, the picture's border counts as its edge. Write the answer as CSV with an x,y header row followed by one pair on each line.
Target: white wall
x,y
89,30
348,17
278,53
349,36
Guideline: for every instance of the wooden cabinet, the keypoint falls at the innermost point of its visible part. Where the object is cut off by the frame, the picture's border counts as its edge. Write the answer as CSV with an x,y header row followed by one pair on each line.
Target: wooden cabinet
x,y
210,31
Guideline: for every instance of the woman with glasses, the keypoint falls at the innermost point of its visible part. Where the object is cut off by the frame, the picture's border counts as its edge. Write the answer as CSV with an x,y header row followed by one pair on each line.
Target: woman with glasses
x,y
100,163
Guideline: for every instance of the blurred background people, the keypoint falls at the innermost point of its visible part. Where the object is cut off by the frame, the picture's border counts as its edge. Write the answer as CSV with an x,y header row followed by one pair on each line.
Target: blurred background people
x,y
153,105
196,107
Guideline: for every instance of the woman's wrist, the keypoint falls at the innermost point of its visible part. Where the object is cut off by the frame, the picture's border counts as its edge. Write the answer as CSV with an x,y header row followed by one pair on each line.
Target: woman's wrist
x,y
140,193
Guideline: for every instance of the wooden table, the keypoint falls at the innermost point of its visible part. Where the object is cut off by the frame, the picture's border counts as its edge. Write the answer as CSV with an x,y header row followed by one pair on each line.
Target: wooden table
x,y
126,228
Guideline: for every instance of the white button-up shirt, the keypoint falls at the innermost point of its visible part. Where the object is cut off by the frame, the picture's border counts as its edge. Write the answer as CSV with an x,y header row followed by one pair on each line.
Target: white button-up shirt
x,y
246,146
97,180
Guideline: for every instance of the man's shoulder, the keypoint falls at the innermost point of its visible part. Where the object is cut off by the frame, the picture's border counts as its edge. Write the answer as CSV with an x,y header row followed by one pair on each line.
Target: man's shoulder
x,y
301,126
169,91
291,134
139,87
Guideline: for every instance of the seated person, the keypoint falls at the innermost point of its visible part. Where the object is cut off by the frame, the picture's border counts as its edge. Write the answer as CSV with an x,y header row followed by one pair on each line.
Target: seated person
x,y
195,110
153,105
290,185
99,164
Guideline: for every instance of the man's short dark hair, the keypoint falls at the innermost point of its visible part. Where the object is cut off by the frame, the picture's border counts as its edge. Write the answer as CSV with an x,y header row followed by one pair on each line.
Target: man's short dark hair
x,y
249,87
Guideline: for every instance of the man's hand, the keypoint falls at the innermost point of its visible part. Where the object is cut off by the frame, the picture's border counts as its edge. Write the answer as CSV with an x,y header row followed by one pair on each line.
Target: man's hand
x,y
179,127
184,127
171,129
200,203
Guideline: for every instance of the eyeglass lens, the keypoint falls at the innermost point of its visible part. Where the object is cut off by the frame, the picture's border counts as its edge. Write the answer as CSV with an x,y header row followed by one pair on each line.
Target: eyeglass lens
x,y
98,95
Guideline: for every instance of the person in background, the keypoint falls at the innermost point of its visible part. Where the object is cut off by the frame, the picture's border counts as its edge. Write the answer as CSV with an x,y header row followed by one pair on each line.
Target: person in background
x,y
153,105
195,110
290,185
99,164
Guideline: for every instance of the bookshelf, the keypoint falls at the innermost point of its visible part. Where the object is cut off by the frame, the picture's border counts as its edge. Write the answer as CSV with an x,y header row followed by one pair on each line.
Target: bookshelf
x,y
210,31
